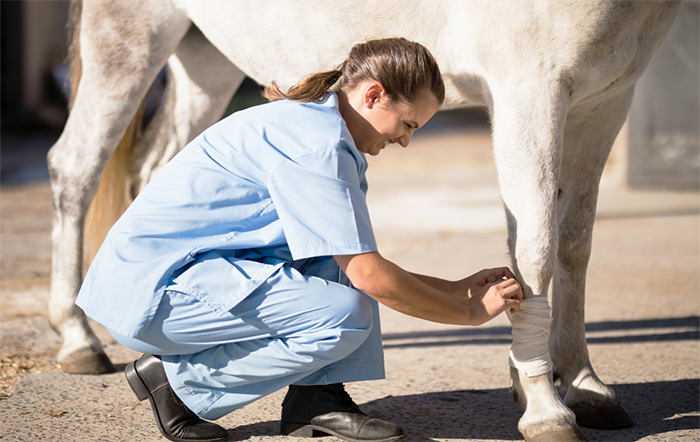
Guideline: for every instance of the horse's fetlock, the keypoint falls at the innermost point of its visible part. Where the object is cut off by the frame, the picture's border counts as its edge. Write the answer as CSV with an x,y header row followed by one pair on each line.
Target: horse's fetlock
x,y
515,395
518,396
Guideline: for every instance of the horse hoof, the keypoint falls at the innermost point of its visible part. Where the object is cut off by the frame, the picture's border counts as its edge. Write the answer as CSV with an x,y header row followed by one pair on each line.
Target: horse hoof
x,y
608,416
557,434
88,362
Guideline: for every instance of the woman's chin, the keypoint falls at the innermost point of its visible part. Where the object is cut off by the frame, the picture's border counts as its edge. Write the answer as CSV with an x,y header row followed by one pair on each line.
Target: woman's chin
x,y
374,152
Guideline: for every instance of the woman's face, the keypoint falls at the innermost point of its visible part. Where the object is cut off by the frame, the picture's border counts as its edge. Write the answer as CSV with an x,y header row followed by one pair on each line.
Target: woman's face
x,y
381,122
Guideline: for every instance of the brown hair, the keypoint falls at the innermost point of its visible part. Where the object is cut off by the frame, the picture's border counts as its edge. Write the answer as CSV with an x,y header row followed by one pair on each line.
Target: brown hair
x,y
404,68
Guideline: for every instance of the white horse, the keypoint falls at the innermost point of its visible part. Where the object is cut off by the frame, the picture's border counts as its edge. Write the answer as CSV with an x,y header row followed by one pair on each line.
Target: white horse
x,y
557,76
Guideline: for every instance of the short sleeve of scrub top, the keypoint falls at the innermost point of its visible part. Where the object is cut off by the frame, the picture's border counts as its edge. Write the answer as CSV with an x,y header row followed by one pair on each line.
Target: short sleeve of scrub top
x,y
322,213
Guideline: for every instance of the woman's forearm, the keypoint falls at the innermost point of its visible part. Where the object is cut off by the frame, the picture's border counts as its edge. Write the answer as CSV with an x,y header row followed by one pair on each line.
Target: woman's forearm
x,y
400,290
443,285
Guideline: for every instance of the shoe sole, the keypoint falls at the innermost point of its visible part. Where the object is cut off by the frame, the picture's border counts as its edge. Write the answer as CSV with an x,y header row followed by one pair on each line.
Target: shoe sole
x,y
309,430
142,393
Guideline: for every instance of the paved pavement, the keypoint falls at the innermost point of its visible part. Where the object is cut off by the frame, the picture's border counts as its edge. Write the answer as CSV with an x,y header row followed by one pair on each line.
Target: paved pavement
x,y
436,210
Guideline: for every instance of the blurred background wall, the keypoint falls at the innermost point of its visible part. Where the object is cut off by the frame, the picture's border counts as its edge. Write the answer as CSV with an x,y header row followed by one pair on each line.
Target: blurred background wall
x,y
663,122
33,55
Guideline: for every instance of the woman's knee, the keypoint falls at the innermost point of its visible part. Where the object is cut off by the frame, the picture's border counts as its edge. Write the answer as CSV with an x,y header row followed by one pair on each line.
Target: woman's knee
x,y
350,310
344,325
135,344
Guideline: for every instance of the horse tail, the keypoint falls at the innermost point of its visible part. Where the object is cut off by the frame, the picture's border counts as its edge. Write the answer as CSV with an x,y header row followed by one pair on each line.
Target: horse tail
x,y
74,60
113,196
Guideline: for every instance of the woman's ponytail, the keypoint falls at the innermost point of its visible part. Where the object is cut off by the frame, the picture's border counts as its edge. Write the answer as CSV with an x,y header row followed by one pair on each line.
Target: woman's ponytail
x,y
310,88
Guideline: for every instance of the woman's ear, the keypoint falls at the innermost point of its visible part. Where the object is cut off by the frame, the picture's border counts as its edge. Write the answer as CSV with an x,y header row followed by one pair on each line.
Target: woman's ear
x,y
374,93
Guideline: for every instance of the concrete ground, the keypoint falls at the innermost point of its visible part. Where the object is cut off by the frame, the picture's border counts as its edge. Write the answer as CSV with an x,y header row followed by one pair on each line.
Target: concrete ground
x,y
436,210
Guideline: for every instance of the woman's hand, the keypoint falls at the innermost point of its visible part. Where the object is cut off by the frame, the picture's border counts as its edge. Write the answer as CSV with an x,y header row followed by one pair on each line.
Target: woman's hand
x,y
489,293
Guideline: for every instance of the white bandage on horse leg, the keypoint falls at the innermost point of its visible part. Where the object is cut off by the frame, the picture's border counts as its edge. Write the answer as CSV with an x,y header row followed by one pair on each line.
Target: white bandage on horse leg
x,y
529,352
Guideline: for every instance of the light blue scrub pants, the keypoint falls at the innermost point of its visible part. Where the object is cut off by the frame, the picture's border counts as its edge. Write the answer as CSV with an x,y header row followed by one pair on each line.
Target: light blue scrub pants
x,y
297,328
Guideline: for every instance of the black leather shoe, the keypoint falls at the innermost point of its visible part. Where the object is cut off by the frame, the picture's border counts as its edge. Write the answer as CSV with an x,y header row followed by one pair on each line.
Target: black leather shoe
x,y
175,421
320,410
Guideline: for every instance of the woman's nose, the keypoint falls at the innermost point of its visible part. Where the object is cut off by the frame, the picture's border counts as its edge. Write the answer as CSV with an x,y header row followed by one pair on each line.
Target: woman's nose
x,y
406,139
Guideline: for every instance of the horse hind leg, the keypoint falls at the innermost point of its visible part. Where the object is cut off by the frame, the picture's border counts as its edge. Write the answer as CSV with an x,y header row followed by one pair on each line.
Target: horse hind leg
x,y
200,84
587,145
97,122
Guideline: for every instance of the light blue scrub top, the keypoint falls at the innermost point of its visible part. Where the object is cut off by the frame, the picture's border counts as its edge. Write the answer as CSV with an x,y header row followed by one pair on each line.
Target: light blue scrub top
x,y
274,183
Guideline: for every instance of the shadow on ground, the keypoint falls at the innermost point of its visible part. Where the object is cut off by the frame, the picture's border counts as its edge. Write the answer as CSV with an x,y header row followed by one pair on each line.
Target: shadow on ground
x,y
607,332
491,415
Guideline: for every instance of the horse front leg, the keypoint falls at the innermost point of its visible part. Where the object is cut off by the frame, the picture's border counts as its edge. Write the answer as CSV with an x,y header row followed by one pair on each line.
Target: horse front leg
x,y
528,126
588,139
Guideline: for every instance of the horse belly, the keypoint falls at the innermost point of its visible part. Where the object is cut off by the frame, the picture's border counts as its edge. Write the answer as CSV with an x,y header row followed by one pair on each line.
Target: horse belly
x,y
284,41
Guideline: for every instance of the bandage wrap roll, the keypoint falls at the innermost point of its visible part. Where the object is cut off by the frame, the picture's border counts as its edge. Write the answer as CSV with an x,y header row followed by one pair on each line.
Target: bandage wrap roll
x,y
529,352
